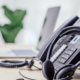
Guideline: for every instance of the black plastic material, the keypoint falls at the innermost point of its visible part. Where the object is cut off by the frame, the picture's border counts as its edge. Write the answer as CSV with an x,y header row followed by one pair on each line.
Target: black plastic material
x,y
48,70
13,64
42,54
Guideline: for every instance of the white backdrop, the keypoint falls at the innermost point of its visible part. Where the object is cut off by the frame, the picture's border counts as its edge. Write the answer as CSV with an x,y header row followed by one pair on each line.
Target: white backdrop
x,y
36,11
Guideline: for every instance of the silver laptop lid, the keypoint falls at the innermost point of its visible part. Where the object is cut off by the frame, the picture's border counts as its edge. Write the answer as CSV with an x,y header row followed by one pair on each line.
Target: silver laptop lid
x,y
48,26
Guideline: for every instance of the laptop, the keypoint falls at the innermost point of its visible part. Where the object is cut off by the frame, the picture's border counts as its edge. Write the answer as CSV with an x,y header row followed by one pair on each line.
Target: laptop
x,y
46,32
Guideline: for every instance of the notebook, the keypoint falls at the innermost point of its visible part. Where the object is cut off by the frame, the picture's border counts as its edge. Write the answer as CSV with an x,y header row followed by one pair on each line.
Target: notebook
x,y
46,33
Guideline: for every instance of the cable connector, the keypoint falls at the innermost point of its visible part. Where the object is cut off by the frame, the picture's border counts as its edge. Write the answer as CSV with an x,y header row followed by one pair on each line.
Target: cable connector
x,y
31,63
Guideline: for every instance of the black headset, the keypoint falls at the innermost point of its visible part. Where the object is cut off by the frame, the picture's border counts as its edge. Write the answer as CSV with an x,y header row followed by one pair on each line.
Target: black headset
x,y
66,72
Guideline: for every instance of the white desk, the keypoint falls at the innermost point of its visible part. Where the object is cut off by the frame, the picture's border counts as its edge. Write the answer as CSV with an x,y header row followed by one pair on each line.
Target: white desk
x,y
13,73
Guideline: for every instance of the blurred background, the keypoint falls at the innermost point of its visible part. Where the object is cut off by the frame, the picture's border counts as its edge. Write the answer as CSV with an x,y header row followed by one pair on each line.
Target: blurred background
x,y
35,15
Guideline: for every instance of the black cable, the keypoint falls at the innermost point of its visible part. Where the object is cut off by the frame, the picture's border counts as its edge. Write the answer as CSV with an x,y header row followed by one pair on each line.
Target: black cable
x,y
33,64
71,27
37,67
66,78
13,63
28,69
70,31
25,76
48,51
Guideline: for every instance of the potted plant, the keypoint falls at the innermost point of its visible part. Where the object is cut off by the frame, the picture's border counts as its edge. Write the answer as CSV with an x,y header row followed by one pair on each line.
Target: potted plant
x,y
10,31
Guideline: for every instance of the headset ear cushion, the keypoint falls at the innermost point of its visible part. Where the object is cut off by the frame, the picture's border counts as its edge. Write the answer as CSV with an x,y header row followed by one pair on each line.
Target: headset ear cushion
x,y
48,70
63,72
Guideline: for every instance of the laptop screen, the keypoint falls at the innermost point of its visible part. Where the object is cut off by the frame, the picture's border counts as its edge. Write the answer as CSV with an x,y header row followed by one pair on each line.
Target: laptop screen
x,y
48,26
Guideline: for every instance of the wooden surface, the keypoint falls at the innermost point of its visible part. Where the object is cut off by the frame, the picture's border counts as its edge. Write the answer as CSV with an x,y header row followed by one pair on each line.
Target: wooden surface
x,y
13,73
16,46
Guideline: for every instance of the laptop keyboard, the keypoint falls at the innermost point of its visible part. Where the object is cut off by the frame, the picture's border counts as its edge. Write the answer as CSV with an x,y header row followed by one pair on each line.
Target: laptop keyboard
x,y
24,53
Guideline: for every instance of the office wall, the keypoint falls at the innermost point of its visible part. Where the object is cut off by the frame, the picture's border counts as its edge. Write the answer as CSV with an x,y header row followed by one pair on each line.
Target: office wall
x,y
36,11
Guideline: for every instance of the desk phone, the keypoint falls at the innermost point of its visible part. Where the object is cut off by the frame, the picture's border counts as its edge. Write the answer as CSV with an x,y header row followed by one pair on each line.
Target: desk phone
x,y
66,51
61,50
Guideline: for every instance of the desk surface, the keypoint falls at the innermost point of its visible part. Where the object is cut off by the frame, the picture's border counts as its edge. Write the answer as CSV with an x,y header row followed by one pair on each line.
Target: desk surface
x,y
13,73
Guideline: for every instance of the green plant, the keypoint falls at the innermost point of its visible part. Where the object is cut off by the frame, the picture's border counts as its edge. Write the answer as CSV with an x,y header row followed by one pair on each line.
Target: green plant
x,y
9,31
